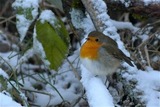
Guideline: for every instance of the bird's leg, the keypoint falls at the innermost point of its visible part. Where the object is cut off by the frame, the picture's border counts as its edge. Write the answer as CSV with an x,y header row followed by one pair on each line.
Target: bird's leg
x,y
106,82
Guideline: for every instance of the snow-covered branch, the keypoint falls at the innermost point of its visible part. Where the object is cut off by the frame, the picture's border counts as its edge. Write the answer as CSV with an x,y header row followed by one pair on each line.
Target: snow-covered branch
x,y
97,93
97,11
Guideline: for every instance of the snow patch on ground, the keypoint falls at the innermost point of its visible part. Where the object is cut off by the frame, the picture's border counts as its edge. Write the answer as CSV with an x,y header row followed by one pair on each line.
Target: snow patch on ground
x,y
3,73
7,101
148,82
10,58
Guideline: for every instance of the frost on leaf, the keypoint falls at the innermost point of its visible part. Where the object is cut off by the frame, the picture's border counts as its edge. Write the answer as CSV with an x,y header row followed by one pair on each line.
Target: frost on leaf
x,y
27,10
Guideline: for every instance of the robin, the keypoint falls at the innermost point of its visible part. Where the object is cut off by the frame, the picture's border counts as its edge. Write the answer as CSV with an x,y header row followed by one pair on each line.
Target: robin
x,y
100,54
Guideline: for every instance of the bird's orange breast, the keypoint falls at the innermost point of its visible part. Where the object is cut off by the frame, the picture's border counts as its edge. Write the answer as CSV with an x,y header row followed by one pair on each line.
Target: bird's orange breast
x,y
90,50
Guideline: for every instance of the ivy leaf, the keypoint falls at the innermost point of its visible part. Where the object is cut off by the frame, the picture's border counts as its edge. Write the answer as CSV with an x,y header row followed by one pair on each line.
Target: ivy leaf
x,y
54,46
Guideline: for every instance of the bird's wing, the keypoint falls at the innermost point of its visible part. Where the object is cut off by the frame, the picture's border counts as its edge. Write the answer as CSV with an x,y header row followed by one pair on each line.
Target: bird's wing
x,y
116,53
109,40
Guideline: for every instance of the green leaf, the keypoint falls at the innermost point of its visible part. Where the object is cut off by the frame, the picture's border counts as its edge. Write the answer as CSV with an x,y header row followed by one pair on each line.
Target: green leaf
x,y
61,31
55,48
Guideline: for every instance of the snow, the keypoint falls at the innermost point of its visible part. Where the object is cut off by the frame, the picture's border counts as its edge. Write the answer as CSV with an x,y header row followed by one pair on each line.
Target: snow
x,y
147,2
96,91
29,8
99,6
26,3
47,15
126,2
79,22
16,86
67,94
3,73
49,95
149,83
156,58
10,58
64,83
144,37
7,101
124,25
22,25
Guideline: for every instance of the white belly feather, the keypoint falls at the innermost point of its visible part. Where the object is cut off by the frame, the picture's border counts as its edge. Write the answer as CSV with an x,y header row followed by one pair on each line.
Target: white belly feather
x,y
100,68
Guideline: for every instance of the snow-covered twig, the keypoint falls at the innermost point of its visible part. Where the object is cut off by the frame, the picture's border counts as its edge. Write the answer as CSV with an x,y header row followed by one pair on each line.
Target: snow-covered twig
x,y
124,25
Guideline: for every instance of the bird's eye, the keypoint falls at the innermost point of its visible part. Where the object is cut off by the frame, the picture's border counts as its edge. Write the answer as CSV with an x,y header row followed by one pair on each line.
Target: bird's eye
x,y
88,38
96,40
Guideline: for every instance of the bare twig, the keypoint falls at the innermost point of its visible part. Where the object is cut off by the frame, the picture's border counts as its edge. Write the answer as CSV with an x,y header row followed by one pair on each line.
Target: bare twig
x,y
147,39
41,92
7,19
147,55
73,69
